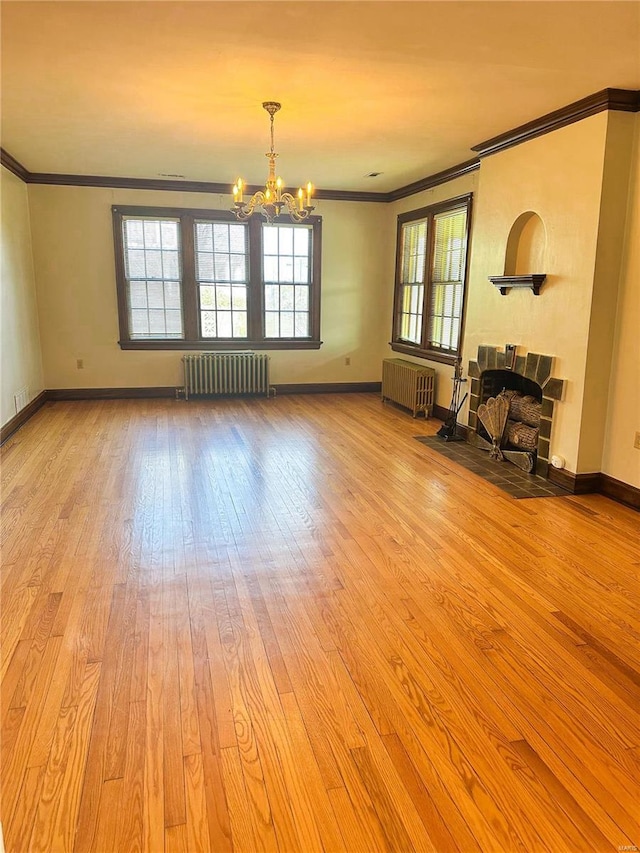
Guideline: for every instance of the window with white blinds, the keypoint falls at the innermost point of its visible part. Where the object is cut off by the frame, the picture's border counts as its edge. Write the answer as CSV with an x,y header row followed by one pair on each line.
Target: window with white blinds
x,y
414,248
199,279
447,279
430,279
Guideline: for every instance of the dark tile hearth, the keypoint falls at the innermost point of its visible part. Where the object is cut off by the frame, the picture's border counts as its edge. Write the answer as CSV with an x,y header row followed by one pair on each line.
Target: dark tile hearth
x,y
502,474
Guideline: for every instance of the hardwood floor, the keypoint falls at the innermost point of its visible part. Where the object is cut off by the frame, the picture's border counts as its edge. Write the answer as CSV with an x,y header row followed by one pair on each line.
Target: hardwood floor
x,y
285,625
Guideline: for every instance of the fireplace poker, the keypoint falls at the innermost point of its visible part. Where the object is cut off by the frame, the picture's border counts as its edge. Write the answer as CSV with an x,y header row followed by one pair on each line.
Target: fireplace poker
x,y
449,429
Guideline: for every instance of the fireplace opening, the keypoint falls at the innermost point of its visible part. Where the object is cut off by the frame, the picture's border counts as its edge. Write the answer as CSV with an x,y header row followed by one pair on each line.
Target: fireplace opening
x,y
522,431
529,375
492,382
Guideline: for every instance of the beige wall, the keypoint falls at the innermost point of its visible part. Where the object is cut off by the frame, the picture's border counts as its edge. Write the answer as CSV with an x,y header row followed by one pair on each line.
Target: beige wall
x,y
559,177
620,459
74,260
20,347
609,251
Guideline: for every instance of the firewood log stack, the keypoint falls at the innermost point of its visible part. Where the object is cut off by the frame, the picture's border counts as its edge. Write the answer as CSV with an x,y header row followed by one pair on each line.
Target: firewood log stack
x,y
523,424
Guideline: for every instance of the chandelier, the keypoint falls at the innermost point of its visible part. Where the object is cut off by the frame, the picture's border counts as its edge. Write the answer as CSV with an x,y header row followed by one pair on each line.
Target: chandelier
x,y
272,199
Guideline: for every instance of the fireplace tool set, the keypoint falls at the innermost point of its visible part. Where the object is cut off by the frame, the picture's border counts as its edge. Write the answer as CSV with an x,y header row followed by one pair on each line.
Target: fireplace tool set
x,y
449,429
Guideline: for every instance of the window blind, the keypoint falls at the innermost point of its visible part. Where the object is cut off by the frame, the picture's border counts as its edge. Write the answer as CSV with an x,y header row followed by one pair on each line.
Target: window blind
x,y
447,279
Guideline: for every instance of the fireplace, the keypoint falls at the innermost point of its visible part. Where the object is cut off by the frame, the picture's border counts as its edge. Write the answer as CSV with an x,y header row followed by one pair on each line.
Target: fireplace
x,y
530,376
492,382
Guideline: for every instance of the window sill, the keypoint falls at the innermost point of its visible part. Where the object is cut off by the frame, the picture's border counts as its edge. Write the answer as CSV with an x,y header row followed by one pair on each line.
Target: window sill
x,y
430,355
219,346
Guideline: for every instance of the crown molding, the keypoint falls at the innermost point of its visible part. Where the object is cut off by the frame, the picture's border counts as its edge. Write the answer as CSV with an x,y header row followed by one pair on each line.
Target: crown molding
x,y
434,180
126,183
56,179
625,100
181,186
62,180
346,195
14,166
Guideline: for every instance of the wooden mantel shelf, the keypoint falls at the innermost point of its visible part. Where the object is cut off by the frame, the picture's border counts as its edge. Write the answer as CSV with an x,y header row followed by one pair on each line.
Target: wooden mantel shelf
x,y
504,283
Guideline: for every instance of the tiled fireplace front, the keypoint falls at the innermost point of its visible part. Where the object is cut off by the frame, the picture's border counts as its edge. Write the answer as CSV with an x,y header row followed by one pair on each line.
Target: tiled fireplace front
x,y
529,374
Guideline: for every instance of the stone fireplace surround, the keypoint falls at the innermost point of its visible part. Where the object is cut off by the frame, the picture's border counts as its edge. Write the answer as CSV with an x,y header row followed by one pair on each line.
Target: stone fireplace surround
x,y
532,368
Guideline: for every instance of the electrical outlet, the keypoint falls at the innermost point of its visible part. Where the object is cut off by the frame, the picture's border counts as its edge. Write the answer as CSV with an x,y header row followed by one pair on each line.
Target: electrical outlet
x,y
347,361
636,443
80,363
21,398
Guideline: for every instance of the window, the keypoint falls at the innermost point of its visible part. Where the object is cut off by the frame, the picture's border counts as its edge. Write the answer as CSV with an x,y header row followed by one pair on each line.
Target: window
x,y
195,279
287,283
152,273
222,276
430,279
414,248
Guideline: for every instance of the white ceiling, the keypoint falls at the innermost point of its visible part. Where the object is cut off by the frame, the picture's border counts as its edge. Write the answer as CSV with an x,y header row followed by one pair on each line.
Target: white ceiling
x,y
141,89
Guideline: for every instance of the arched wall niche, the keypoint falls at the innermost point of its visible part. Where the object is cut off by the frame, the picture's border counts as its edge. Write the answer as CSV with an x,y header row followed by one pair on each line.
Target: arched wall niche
x,y
526,245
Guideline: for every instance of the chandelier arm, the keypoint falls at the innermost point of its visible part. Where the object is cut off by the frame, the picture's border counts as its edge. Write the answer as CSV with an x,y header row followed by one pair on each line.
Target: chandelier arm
x,y
296,214
244,211
292,198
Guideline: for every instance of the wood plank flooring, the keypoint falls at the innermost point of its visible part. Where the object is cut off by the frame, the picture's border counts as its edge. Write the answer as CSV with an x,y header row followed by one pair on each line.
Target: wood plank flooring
x,y
285,625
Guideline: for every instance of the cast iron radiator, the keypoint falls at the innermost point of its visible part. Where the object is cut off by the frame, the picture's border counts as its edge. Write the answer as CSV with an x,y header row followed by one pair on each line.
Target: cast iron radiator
x,y
408,384
214,373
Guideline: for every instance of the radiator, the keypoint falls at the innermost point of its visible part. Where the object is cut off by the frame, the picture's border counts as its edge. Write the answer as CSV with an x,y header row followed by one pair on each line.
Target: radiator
x,y
226,373
410,385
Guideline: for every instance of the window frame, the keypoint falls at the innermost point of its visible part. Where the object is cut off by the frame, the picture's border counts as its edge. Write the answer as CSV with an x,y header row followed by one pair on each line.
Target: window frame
x,y
422,350
190,291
